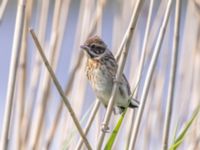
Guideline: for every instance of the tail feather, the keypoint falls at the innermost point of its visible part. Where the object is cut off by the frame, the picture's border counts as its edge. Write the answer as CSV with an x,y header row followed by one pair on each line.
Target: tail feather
x,y
134,103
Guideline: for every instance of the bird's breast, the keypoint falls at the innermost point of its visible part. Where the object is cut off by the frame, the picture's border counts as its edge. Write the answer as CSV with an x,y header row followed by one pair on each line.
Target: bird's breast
x,y
98,76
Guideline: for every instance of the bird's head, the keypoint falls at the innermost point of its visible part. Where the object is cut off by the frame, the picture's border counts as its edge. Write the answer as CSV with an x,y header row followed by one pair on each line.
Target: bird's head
x,y
94,47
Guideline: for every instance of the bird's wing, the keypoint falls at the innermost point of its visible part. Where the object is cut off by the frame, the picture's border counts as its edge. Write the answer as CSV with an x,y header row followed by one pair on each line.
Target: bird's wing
x,y
125,82
110,64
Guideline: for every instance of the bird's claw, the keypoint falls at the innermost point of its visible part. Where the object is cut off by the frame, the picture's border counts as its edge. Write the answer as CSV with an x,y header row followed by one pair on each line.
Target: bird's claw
x,y
115,80
105,128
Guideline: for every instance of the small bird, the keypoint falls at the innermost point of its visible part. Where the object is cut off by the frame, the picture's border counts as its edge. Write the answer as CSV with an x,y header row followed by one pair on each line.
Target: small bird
x,y
101,69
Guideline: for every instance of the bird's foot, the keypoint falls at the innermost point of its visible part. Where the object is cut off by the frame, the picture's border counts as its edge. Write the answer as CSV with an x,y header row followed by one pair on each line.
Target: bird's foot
x,y
115,80
105,128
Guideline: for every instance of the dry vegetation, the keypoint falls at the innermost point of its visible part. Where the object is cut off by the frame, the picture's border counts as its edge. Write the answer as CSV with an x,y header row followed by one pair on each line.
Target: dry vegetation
x,y
157,45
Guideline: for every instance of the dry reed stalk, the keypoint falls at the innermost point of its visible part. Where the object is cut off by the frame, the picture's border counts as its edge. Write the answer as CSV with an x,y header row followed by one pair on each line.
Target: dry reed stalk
x,y
89,123
185,71
159,90
99,14
22,76
149,119
172,79
193,138
156,23
123,10
134,61
120,47
45,84
54,126
152,113
122,14
156,114
52,130
116,33
13,72
124,51
3,8
144,49
35,74
149,76
141,63
127,7
197,94
59,88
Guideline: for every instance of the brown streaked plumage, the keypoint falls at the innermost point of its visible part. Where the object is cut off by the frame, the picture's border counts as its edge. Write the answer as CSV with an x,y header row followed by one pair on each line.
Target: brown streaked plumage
x,y
101,69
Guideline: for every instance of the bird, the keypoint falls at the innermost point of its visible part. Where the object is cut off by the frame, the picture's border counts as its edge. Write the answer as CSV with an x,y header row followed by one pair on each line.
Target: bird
x,y
101,69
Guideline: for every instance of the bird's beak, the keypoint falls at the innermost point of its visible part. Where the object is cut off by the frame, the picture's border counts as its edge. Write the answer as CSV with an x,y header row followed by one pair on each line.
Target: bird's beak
x,y
85,47
86,50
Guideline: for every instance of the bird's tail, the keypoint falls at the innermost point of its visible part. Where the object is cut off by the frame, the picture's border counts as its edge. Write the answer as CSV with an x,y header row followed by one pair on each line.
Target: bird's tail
x,y
134,103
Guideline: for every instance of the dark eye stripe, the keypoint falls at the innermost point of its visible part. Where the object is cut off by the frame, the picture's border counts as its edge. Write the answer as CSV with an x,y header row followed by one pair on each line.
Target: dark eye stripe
x,y
99,50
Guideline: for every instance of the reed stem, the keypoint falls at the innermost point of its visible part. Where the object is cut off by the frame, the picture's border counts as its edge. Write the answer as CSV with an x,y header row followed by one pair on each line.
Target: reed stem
x,y
124,48
59,88
172,79
149,77
17,39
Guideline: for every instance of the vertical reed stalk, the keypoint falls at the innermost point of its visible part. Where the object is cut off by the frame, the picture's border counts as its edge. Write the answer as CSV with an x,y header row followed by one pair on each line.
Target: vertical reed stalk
x,y
172,79
149,76
35,73
124,51
45,83
13,72
22,79
141,63
52,130
3,8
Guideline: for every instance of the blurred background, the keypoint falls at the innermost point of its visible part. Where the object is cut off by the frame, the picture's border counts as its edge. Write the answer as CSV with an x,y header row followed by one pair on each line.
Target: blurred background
x,y
62,26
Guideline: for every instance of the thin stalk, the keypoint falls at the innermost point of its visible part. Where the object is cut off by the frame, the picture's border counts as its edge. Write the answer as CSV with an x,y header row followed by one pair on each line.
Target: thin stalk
x,y
144,47
22,76
35,73
172,76
149,76
13,72
21,90
52,130
141,63
89,123
59,88
122,60
54,126
45,84
3,8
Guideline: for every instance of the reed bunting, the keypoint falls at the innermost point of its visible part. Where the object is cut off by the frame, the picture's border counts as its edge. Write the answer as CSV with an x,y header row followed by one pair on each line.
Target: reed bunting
x,y
101,69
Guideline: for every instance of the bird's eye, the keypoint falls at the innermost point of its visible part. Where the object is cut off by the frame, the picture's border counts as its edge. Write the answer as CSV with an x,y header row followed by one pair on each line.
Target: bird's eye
x,y
93,46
